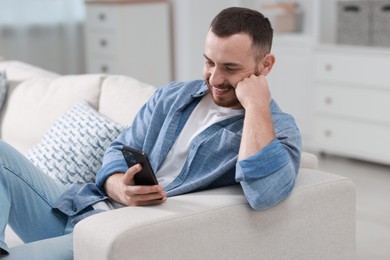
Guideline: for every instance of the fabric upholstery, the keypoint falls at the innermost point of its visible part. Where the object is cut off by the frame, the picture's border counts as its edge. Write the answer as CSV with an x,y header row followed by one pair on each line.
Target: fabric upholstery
x,y
122,97
72,149
20,71
317,221
3,88
37,102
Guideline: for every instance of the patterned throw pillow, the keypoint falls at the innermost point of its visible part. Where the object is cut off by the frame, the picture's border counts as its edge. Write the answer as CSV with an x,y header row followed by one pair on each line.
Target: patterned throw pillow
x,y
3,87
71,151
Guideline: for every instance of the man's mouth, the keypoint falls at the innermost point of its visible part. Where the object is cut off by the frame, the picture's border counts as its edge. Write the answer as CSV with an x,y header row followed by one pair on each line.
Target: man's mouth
x,y
222,88
220,91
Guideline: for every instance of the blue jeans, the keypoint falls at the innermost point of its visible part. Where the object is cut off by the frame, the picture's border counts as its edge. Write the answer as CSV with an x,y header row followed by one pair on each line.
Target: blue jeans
x,y
26,199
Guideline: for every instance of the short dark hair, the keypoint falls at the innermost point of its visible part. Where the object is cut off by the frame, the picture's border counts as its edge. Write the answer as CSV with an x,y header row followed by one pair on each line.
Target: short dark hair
x,y
239,20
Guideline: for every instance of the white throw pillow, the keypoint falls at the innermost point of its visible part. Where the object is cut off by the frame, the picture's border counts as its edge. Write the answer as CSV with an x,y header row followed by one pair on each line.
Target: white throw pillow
x,y
3,88
72,149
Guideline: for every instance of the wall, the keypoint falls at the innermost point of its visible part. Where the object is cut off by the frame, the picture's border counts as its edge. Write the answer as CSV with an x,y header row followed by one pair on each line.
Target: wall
x,y
191,22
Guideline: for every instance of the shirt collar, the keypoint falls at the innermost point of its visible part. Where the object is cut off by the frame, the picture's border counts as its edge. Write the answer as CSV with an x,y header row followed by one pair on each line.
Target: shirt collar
x,y
203,90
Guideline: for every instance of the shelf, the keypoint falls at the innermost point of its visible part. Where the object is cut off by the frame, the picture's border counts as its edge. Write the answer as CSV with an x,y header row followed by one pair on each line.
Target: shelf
x,y
342,48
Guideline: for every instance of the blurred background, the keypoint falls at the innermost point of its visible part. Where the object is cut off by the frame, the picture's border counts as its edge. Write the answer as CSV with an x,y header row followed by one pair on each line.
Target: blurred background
x,y
331,71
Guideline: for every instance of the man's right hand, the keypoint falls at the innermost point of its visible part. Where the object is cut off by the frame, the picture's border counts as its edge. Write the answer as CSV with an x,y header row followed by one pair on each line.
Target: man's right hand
x,y
121,188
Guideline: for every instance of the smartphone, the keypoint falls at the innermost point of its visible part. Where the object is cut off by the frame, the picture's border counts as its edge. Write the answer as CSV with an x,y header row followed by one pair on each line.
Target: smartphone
x,y
146,175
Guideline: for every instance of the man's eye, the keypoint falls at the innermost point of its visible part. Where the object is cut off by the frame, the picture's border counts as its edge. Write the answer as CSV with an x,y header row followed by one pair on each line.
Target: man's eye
x,y
209,63
230,69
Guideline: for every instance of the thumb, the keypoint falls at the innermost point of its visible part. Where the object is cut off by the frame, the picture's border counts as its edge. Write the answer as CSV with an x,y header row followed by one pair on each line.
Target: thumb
x,y
128,178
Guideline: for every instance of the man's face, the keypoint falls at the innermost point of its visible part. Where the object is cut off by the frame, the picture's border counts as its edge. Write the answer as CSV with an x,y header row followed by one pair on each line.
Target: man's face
x,y
228,60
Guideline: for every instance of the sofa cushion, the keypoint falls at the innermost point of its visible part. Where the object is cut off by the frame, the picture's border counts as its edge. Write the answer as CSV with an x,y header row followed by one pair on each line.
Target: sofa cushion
x,y
3,87
72,149
20,71
17,72
122,97
35,103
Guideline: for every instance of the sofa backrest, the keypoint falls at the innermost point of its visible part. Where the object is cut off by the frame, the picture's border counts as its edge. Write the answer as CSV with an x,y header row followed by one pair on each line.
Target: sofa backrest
x,y
122,97
36,98
34,101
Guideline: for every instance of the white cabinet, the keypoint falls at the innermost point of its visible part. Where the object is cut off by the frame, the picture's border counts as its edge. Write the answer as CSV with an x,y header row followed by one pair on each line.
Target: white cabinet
x,y
131,38
353,102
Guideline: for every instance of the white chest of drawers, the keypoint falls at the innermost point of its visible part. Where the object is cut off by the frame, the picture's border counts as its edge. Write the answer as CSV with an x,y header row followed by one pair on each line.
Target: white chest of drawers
x,y
131,38
353,102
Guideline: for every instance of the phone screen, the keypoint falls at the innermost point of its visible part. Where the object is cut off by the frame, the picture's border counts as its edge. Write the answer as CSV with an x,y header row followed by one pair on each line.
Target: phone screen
x,y
146,175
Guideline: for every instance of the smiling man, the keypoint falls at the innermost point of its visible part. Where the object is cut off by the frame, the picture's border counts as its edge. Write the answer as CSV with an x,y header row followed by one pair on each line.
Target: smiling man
x,y
222,130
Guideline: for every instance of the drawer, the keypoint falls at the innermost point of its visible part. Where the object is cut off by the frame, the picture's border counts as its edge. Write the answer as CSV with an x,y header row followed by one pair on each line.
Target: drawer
x,y
102,42
359,103
358,67
100,65
344,137
102,17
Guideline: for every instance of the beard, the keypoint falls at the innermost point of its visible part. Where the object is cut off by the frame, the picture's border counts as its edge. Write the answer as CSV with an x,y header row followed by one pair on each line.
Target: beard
x,y
226,96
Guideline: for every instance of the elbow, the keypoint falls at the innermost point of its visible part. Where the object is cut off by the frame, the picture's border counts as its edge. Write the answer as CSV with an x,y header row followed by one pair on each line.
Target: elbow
x,y
269,195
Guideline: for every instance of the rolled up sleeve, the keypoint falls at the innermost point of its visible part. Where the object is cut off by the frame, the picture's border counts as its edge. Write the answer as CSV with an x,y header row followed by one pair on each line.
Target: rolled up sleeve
x,y
268,176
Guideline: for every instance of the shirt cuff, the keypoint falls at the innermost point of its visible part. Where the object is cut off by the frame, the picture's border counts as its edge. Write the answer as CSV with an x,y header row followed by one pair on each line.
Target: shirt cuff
x,y
265,162
108,170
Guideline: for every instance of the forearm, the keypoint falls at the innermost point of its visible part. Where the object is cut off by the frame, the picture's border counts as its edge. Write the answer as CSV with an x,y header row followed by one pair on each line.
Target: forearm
x,y
258,130
267,174
112,185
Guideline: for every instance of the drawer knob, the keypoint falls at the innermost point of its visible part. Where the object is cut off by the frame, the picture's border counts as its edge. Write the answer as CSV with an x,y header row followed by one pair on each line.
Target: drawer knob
x,y
102,16
328,67
104,68
328,100
103,43
328,133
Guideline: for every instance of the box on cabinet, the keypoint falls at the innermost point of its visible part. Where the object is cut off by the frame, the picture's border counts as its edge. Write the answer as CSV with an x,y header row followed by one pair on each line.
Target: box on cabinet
x,y
354,22
381,23
363,22
284,17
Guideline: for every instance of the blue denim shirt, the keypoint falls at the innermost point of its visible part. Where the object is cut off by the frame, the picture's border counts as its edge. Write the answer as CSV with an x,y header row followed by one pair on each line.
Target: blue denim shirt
x,y
266,178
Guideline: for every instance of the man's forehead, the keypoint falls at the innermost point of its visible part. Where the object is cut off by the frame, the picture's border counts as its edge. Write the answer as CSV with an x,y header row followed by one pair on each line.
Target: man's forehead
x,y
225,61
243,38
233,49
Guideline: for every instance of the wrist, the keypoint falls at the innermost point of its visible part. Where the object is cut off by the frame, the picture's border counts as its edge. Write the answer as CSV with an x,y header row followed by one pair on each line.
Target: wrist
x,y
111,183
258,108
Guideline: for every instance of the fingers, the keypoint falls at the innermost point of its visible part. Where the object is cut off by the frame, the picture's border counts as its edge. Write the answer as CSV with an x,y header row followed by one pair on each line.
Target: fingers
x,y
253,82
141,195
128,178
253,91
256,79
145,195
121,188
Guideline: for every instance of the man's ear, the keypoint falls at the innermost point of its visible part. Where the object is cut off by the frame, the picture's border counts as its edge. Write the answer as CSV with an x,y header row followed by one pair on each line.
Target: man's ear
x,y
267,63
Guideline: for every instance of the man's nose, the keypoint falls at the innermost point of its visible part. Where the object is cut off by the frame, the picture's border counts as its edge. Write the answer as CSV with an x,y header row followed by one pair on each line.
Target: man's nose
x,y
216,77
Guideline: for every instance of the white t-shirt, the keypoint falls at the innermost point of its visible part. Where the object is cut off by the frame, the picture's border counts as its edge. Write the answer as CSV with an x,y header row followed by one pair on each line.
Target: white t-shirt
x,y
205,114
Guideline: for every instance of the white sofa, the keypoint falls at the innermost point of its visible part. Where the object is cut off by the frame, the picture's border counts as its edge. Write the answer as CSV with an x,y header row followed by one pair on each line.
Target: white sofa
x,y
316,221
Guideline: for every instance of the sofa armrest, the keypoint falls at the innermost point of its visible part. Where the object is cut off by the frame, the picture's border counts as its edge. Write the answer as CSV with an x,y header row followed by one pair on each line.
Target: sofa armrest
x,y
317,221
309,161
